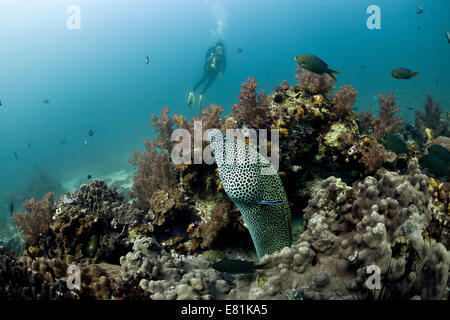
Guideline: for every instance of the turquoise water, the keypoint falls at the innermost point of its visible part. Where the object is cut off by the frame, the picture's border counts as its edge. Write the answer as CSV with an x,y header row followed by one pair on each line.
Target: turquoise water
x,y
96,77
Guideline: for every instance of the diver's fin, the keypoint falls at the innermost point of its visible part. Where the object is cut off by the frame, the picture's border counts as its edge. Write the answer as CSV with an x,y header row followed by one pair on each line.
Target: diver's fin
x,y
191,98
201,102
270,203
414,74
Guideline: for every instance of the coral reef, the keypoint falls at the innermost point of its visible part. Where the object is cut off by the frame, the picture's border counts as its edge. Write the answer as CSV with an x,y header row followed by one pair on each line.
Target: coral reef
x,y
36,221
431,124
253,107
91,224
380,221
352,181
313,83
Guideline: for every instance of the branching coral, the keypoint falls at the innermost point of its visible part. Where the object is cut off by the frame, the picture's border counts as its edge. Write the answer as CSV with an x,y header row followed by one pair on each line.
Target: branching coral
x,y
386,122
343,101
431,120
163,126
253,107
155,172
313,83
36,222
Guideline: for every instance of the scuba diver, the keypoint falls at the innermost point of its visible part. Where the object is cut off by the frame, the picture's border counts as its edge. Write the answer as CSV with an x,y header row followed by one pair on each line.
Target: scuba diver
x,y
214,63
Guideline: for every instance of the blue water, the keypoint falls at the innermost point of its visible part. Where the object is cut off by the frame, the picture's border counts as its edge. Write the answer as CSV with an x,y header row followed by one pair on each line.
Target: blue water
x,y
96,77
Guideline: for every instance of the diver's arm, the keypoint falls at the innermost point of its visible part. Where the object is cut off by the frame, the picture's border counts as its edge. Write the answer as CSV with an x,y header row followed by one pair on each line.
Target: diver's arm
x,y
208,59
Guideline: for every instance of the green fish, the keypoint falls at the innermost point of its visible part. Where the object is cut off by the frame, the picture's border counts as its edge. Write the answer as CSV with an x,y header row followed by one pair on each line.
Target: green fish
x,y
435,165
236,266
394,143
315,64
440,152
92,246
402,73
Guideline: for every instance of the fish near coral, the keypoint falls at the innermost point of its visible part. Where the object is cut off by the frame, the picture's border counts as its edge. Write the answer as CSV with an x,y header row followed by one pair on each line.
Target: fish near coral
x,y
440,152
254,186
92,246
236,266
315,64
394,143
403,73
435,165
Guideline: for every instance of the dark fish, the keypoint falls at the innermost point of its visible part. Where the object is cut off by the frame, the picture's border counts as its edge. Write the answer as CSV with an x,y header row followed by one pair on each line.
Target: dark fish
x,y
440,152
239,50
236,266
394,143
89,176
147,60
402,73
91,132
46,101
362,66
435,165
11,207
29,144
447,34
15,156
0,103
419,28
63,141
315,64
419,10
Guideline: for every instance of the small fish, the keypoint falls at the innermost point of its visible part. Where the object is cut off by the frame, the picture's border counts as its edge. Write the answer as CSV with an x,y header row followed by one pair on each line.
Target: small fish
x,y
447,34
269,203
15,156
30,254
63,141
11,208
362,66
147,60
28,144
419,28
403,73
315,64
89,176
86,142
46,101
91,132
239,50
236,266
0,103
92,246
419,10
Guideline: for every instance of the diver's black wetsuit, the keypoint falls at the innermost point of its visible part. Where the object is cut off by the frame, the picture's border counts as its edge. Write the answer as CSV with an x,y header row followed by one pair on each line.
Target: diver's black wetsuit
x,y
214,63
